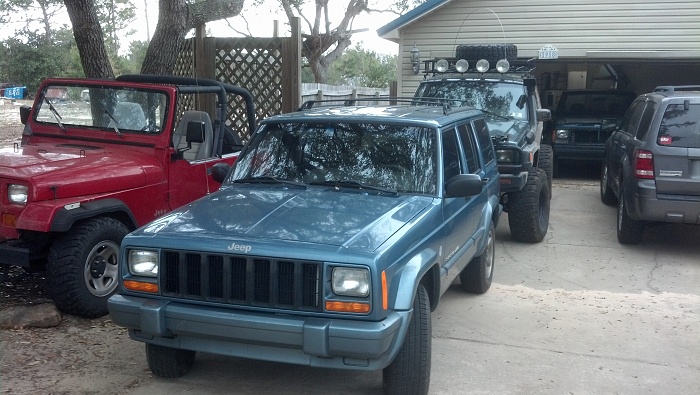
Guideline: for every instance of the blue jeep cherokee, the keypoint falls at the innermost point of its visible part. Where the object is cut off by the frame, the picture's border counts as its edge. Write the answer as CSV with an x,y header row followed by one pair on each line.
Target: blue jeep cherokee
x,y
329,244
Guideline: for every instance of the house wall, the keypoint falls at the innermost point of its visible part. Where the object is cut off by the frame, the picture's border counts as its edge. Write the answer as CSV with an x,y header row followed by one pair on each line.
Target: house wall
x,y
584,31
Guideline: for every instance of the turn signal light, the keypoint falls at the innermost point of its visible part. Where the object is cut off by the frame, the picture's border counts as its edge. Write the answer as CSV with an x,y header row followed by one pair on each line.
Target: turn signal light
x,y
140,286
348,307
9,220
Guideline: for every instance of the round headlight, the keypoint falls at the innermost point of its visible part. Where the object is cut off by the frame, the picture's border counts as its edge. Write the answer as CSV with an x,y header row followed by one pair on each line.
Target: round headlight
x,y
462,65
17,193
441,65
562,134
482,66
502,66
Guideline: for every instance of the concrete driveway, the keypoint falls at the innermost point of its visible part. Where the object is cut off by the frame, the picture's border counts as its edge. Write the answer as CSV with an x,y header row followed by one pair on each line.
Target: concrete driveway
x,y
576,314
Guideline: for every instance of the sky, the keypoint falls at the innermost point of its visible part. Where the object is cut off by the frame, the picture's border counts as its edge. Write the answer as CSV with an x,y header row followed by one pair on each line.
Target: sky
x,y
262,25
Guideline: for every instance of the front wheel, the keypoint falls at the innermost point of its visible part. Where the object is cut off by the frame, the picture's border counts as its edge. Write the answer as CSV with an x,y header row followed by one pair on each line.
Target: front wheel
x,y
83,266
409,372
528,209
477,276
169,362
545,161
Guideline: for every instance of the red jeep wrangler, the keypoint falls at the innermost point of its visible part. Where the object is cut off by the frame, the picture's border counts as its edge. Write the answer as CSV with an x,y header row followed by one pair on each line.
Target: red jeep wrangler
x,y
101,159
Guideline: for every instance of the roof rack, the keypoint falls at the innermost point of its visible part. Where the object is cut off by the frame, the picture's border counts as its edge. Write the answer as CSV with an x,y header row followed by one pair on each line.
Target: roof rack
x,y
309,104
516,66
672,88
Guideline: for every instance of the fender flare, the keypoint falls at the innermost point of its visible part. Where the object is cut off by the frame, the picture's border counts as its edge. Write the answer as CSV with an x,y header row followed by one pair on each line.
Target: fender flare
x,y
412,274
65,218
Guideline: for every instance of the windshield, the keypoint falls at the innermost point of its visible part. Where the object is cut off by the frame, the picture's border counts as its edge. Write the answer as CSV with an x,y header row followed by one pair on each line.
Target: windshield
x,y
396,157
497,98
116,109
594,104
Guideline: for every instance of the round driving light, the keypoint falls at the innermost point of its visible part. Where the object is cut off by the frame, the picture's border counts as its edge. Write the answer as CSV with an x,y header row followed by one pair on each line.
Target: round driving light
x,y
482,66
502,66
462,65
441,65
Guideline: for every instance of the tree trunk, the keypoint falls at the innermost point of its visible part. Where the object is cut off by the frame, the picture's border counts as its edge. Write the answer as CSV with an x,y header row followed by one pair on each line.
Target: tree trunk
x,y
175,19
89,38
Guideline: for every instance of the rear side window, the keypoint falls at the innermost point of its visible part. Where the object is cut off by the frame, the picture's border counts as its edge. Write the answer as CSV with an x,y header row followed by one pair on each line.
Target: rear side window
x,y
680,127
645,121
485,145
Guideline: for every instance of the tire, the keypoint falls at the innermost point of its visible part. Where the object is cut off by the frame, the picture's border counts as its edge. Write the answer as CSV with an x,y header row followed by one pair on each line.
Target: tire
x,y
477,276
491,52
606,193
629,231
528,209
169,362
409,372
545,161
83,266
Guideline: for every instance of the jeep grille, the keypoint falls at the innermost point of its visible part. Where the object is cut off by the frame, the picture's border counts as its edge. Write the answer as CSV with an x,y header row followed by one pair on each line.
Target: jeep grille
x,y
242,280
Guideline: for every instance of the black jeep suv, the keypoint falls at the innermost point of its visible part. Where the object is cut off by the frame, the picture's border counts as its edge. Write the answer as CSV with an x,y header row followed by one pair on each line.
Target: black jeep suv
x,y
652,162
491,79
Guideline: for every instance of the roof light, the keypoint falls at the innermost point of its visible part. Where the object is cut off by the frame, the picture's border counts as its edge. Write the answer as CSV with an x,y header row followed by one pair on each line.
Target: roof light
x,y
462,66
502,66
441,65
482,66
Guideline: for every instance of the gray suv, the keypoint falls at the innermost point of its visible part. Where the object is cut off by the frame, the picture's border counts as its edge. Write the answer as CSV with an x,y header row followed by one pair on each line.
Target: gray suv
x,y
652,162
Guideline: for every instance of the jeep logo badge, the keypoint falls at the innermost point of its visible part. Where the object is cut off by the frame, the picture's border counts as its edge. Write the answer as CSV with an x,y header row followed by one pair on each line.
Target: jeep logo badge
x,y
240,247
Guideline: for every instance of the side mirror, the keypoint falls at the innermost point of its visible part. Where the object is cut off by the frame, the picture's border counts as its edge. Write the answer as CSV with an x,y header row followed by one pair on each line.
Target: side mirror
x,y
608,124
195,132
543,114
463,185
219,171
24,114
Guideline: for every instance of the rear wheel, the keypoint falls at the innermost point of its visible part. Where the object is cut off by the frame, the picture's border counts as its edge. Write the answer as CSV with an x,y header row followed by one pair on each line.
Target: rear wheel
x,y
528,209
477,276
629,231
169,362
606,193
83,266
409,372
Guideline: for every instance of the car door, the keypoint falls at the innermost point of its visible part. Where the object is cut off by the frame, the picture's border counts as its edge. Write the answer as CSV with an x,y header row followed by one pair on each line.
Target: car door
x,y
461,214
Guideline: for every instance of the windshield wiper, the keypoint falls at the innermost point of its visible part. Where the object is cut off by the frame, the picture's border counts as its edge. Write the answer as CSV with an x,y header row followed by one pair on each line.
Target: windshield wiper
x,y
268,180
55,114
354,184
116,129
494,114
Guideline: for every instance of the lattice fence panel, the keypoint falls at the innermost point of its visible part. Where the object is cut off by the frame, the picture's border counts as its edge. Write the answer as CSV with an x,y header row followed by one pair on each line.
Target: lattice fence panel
x,y
254,64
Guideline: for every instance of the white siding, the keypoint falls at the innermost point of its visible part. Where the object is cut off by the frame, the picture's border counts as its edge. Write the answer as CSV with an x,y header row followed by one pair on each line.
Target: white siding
x,y
582,30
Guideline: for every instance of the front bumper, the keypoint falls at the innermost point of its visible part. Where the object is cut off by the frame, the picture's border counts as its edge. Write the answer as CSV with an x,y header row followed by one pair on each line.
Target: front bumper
x,y
14,252
579,152
312,341
512,182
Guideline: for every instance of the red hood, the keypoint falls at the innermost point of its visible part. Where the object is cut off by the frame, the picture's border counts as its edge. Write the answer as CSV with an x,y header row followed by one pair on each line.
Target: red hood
x,y
68,170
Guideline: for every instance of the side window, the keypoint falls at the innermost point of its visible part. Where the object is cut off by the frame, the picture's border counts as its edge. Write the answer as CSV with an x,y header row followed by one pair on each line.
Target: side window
x,y
645,121
485,145
450,155
633,117
469,147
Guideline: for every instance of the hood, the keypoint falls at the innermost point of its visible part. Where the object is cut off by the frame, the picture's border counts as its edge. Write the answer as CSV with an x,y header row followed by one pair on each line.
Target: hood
x,y
67,170
579,121
316,215
511,128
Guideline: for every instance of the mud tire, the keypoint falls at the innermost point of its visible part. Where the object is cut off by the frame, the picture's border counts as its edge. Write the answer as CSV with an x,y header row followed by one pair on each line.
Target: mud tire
x,y
528,209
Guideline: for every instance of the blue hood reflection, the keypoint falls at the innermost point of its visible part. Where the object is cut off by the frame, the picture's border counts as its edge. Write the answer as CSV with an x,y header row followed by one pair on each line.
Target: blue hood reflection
x,y
352,219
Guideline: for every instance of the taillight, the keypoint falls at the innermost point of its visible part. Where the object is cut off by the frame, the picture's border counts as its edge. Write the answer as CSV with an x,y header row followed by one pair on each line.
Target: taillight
x,y
643,164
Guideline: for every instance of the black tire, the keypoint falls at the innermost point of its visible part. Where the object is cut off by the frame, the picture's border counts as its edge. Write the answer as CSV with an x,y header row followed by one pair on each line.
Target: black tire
x,y
629,231
83,266
169,362
477,276
606,193
491,52
528,209
409,372
545,161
